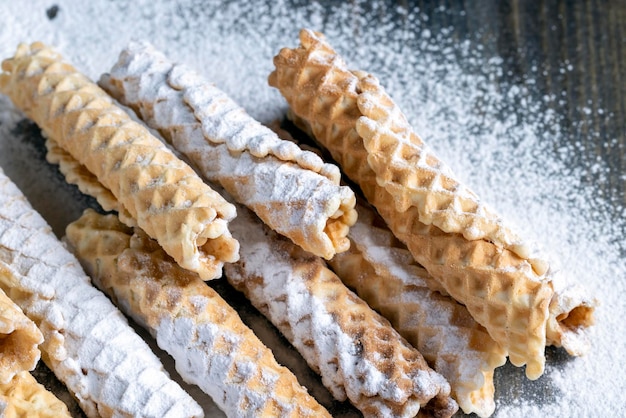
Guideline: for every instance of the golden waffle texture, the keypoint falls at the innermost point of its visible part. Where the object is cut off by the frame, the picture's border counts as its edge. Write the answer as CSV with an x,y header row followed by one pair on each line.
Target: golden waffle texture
x,y
350,115
162,193
383,273
291,190
19,340
210,344
356,351
88,343
77,174
23,397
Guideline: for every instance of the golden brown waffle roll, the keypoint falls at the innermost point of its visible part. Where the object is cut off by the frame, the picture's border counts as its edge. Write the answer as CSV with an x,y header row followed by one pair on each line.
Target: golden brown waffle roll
x,y
163,194
403,165
291,190
19,340
23,397
503,291
77,174
383,273
88,343
210,344
356,351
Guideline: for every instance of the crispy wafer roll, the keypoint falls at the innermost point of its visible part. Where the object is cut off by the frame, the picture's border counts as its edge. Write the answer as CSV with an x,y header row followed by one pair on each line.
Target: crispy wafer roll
x,y
383,273
210,344
23,397
19,340
356,351
349,113
77,174
291,190
337,381
87,341
163,194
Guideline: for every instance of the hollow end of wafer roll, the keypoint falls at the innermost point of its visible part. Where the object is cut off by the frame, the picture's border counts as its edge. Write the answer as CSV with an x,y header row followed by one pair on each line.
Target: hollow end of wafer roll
x,y
571,313
479,401
441,406
338,226
18,348
19,339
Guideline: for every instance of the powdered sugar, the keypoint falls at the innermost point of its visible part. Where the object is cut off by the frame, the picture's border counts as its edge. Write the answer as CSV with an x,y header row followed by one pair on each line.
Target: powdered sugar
x,y
317,314
293,191
507,141
88,343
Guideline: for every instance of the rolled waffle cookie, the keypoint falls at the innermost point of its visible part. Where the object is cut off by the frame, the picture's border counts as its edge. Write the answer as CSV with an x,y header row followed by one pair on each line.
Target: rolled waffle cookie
x,y
356,351
19,340
383,273
210,344
77,174
291,190
162,194
24,397
471,257
88,343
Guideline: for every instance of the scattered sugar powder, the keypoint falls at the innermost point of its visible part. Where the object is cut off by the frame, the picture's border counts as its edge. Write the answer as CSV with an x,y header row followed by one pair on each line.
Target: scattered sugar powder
x,y
510,142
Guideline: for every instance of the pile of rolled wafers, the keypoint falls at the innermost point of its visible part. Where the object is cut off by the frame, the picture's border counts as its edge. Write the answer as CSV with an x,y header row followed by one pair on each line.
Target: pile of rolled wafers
x,y
403,297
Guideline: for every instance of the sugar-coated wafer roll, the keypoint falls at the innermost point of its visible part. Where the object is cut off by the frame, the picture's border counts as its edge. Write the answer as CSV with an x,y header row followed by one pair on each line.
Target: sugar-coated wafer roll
x,y
19,340
349,114
212,347
88,343
383,273
356,351
24,397
163,194
291,190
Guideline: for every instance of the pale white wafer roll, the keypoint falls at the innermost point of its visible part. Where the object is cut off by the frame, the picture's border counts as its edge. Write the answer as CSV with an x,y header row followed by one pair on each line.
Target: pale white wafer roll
x,y
356,351
88,343
162,193
210,344
291,190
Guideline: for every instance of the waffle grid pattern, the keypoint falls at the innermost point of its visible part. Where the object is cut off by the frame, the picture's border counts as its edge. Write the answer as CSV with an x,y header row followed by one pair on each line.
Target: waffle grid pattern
x,y
163,194
210,344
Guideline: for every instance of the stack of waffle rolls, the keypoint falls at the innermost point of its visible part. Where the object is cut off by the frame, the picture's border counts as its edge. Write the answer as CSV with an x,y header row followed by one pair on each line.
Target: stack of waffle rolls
x,y
291,190
355,350
468,251
88,343
175,232
383,273
163,195
211,346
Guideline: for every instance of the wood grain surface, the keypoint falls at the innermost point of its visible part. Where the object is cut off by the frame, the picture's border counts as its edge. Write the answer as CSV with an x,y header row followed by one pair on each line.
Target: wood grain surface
x,y
536,39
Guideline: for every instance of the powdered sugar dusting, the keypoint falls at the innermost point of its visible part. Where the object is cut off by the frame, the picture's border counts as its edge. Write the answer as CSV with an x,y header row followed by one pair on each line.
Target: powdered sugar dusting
x,y
316,313
508,142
